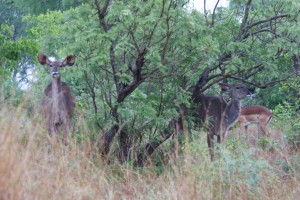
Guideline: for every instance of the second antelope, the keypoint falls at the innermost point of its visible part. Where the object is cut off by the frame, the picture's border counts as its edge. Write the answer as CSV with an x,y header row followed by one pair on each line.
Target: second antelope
x,y
255,114
59,102
217,115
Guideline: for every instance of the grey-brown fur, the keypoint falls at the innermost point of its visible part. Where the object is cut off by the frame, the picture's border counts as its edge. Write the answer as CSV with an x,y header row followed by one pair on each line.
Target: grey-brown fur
x,y
59,102
217,115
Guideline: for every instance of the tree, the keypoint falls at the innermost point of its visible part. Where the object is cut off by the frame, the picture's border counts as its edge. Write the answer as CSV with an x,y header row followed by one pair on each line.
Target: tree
x,y
138,61
13,60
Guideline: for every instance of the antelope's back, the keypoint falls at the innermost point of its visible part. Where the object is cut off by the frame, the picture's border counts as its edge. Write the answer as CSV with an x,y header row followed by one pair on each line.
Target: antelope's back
x,y
256,109
209,110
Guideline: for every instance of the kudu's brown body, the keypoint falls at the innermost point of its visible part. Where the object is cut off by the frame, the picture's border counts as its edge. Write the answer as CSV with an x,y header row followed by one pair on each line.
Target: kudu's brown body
x,y
59,102
255,114
218,115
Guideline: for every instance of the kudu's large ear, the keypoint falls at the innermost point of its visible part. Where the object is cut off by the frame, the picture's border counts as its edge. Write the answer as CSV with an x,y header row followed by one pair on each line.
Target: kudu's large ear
x,y
43,59
224,86
69,60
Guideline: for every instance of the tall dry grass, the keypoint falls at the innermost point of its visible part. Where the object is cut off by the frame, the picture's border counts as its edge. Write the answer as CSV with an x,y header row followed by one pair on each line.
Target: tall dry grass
x,y
31,169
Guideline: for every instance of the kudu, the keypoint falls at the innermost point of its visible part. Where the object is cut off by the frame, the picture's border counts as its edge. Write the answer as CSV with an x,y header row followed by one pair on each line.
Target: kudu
x,y
255,114
59,102
217,115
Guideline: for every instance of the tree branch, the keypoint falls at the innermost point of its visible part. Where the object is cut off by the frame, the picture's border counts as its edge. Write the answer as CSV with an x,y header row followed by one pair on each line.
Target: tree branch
x,y
92,90
244,21
214,14
154,28
261,85
174,127
205,12
220,77
101,12
265,20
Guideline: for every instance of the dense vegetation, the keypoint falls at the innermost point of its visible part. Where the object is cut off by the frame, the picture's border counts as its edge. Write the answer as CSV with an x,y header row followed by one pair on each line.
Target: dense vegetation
x,y
136,62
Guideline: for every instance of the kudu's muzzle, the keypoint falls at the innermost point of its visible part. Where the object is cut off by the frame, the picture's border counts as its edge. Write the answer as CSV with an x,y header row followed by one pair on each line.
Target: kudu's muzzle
x,y
55,74
250,93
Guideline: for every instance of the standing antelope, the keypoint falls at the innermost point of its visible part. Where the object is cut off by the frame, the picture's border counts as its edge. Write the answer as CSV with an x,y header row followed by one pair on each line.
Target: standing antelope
x,y
59,102
255,114
218,115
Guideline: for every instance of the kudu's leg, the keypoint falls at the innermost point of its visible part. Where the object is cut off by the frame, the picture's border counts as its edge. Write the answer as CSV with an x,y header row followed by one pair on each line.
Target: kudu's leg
x,y
49,132
52,138
222,136
210,142
49,128
66,133
220,140
56,128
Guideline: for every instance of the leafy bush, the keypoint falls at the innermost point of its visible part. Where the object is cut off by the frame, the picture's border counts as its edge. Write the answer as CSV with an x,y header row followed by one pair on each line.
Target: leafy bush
x,y
293,136
287,116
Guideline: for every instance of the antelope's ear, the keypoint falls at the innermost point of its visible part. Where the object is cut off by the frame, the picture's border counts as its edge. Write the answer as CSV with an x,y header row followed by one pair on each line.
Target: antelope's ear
x,y
224,86
43,59
69,60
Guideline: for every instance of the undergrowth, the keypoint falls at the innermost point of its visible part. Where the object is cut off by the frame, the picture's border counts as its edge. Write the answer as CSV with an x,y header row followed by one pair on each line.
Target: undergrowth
x,y
245,168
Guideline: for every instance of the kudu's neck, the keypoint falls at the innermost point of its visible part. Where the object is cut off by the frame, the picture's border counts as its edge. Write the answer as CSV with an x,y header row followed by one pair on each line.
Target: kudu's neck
x,y
56,87
234,104
231,112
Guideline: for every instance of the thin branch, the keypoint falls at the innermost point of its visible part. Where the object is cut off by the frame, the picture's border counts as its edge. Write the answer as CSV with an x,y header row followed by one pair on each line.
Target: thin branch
x,y
174,127
114,66
131,33
260,31
262,85
259,69
91,89
101,12
156,24
169,34
220,77
214,14
205,12
244,21
265,20
106,70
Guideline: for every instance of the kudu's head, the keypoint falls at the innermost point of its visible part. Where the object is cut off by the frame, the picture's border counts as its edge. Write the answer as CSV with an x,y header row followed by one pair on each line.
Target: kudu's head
x,y
54,65
237,91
